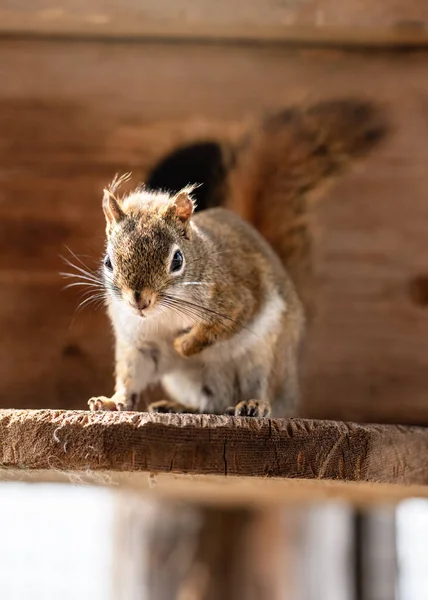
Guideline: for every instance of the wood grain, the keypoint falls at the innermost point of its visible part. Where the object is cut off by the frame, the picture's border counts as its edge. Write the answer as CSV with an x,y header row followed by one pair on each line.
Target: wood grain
x,y
320,21
131,443
72,114
45,346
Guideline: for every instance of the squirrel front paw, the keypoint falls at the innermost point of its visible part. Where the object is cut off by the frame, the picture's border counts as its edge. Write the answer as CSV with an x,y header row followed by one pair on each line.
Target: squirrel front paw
x,y
169,406
102,403
118,402
250,408
187,344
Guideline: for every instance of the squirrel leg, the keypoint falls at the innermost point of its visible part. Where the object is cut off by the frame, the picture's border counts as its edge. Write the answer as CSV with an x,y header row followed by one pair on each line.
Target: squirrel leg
x,y
170,406
135,369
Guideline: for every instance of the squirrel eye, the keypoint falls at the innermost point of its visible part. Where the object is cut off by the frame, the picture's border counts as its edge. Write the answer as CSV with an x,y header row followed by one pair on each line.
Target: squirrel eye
x,y
107,263
177,262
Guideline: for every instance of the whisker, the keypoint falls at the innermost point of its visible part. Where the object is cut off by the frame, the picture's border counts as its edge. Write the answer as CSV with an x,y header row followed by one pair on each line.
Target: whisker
x,y
83,277
76,256
181,311
212,312
94,280
185,312
198,307
84,270
193,283
101,302
83,283
96,299
88,301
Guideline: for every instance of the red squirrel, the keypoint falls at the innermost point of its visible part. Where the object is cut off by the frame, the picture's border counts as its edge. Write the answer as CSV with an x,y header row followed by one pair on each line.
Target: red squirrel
x,y
202,302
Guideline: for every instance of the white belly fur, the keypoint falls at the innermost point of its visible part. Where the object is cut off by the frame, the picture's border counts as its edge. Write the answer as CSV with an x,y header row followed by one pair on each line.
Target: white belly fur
x,y
216,368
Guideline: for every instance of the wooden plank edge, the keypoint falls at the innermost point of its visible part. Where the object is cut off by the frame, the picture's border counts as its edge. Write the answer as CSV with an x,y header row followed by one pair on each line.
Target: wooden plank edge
x,y
297,449
403,35
219,491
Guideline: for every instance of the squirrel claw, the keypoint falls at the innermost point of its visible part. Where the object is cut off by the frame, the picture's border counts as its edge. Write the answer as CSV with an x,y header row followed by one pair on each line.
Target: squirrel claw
x,y
169,406
252,408
102,403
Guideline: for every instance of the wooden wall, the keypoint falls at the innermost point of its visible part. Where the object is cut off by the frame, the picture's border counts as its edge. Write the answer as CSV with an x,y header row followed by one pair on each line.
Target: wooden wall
x,y
313,21
72,113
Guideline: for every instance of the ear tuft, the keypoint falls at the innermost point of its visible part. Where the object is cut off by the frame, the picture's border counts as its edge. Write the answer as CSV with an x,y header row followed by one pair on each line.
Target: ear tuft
x,y
111,204
184,203
112,210
118,181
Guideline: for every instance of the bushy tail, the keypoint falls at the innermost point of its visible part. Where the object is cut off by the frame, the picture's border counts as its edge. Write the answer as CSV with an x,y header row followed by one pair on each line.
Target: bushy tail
x,y
291,156
269,176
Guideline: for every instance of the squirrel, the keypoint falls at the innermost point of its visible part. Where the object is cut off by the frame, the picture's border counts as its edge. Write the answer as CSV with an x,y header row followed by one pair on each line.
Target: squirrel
x,y
201,303
267,178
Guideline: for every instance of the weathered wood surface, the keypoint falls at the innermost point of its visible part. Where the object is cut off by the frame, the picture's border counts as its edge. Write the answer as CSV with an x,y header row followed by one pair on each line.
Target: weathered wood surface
x,y
325,21
125,447
71,115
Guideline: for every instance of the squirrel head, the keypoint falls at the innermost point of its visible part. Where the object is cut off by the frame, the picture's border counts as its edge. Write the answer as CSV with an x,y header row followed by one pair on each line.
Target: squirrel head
x,y
149,241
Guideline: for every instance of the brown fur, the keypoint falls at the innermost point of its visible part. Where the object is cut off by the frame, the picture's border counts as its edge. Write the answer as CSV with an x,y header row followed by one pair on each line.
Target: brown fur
x,y
240,321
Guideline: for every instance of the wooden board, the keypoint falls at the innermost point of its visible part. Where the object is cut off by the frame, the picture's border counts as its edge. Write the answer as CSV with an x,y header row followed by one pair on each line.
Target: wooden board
x,y
72,114
321,21
122,448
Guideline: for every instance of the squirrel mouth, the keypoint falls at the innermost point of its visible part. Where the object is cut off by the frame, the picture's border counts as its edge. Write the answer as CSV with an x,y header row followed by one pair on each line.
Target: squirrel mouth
x,y
136,310
141,307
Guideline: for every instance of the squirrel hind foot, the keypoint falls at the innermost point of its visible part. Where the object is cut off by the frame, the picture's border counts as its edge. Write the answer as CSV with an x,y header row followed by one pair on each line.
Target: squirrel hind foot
x,y
250,408
169,406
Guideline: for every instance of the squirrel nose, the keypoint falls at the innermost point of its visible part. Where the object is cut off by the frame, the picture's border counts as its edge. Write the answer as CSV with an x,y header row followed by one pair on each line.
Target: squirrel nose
x,y
141,303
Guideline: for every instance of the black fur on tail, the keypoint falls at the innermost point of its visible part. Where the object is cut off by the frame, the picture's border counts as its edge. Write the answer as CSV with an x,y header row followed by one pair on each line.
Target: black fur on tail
x,y
334,130
201,163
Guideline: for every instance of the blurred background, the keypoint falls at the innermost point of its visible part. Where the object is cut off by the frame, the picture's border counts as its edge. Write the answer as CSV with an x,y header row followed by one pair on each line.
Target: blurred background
x,y
92,88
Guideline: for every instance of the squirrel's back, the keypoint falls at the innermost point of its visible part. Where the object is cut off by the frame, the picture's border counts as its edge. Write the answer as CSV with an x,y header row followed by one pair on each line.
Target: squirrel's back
x,y
228,230
269,175
244,251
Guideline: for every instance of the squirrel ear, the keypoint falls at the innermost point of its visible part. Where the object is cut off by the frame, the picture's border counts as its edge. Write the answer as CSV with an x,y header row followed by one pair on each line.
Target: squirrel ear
x,y
111,208
184,204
